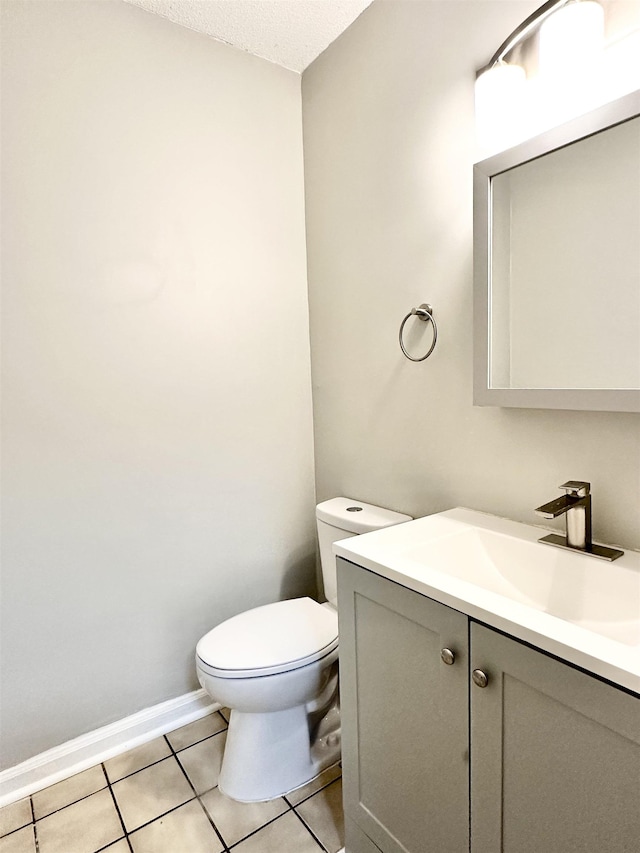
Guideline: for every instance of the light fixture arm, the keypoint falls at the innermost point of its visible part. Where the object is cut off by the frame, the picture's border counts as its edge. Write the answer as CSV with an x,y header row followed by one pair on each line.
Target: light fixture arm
x,y
522,31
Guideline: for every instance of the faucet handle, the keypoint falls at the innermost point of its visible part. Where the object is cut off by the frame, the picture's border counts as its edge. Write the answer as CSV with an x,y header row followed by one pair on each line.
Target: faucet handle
x,y
576,487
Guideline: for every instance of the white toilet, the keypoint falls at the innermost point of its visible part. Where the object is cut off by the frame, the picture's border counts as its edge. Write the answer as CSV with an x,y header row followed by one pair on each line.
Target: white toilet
x,y
276,668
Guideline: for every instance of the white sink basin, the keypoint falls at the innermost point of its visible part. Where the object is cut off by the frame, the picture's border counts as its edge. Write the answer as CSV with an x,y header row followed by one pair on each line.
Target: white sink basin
x,y
494,569
578,589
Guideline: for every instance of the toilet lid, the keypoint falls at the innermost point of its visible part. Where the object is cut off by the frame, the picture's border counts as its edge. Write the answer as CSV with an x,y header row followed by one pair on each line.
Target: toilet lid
x,y
273,638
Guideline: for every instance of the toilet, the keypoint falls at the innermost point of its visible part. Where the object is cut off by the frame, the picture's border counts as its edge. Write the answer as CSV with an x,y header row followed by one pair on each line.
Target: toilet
x,y
276,668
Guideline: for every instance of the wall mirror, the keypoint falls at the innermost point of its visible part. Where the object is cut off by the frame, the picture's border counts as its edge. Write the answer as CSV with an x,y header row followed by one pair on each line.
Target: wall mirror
x,y
557,267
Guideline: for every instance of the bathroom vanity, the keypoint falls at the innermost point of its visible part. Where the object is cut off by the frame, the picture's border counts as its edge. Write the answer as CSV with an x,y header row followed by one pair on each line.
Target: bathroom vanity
x,y
490,691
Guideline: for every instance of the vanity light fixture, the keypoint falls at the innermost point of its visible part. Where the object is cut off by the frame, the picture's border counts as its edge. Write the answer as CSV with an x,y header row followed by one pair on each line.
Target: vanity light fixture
x,y
500,103
570,38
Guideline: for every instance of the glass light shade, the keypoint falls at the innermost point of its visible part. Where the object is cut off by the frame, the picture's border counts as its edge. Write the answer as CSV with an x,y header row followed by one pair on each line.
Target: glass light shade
x,y
571,39
500,93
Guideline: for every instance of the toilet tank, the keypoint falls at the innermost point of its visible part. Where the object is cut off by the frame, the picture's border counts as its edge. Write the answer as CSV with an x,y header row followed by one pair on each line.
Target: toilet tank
x,y
341,518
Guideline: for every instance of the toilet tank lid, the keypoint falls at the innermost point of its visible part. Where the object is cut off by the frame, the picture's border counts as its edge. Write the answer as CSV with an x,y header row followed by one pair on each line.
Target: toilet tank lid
x,y
357,517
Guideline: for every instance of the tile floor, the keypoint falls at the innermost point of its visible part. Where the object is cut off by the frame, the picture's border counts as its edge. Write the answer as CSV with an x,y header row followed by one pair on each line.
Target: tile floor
x,y
162,797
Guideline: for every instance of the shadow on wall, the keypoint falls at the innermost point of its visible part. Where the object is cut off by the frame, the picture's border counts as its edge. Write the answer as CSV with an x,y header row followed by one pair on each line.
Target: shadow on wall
x,y
298,580
299,575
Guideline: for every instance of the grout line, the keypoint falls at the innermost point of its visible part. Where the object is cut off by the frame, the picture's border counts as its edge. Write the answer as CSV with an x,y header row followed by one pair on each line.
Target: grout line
x,y
35,830
157,817
206,813
310,831
108,846
17,829
139,770
196,742
256,831
117,807
72,803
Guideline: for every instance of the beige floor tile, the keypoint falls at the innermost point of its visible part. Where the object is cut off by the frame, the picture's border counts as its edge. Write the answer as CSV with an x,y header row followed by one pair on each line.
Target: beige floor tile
x,y
323,814
202,762
68,791
151,792
236,820
22,841
325,778
198,730
185,830
119,847
284,834
81,828
136,759
14,816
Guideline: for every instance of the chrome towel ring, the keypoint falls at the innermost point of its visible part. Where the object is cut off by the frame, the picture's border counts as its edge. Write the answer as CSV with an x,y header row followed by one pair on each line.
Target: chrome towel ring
x,y
424,312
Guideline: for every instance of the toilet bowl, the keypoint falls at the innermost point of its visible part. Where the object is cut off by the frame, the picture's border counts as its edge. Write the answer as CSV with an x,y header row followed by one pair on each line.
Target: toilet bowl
x,y
276,668
294,675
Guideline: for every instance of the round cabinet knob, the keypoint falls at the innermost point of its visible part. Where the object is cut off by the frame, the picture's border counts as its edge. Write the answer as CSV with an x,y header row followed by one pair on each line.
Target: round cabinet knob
x,y
480,678
448,656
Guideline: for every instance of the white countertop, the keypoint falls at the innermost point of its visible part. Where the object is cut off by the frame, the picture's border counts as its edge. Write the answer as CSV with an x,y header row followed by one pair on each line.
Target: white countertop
x,y
442,556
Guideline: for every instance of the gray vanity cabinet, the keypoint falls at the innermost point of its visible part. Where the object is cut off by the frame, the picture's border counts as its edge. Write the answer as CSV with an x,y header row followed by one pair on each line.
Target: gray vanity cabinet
x,y
555,755
405,723
555,752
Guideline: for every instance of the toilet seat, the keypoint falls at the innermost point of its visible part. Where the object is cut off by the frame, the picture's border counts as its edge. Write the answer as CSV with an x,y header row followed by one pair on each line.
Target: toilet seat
x,y
270,639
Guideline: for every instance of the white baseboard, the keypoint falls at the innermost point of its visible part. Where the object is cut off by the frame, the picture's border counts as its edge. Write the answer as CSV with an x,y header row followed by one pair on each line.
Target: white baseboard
x,y
82,752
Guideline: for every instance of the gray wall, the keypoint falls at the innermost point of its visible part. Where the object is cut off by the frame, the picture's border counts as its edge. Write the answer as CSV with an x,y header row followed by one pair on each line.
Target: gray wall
x,y
389,146
157,459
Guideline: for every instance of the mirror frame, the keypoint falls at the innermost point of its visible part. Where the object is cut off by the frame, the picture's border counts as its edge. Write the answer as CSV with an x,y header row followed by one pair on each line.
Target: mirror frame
x,y
588,399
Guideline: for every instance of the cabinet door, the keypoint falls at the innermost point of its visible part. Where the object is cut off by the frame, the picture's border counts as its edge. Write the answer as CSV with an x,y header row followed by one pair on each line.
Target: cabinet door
x,y
555,755
404,716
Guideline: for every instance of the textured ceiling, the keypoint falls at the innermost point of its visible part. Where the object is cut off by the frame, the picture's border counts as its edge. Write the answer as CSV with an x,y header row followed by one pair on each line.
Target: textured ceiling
x,y
291,33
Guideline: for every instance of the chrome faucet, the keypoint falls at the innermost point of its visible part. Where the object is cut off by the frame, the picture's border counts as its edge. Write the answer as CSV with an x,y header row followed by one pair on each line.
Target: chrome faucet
x,y
575,505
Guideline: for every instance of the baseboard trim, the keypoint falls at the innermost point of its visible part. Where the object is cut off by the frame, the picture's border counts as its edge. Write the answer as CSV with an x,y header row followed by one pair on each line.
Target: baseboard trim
x,y
82,752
